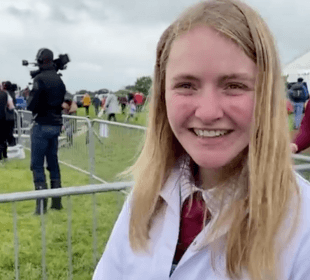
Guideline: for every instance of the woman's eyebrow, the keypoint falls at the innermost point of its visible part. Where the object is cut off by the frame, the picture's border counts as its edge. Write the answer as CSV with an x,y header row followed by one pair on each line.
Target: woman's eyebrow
x,y
185,77
237,76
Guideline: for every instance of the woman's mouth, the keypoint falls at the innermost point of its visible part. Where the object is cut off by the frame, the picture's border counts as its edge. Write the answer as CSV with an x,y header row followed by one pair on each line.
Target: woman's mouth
x,y
207,133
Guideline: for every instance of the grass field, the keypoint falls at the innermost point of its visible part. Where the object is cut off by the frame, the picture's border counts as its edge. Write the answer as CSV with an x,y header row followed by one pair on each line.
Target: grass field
x,y
15,177
113,155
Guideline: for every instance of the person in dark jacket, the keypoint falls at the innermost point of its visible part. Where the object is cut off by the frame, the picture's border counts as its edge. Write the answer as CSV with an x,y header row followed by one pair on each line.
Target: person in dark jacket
x,y
7,86
45,102
96,103
5,103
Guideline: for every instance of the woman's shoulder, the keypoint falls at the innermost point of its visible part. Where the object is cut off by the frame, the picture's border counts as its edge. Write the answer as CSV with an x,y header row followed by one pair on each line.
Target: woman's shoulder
x,y
296,259
304,187
304,190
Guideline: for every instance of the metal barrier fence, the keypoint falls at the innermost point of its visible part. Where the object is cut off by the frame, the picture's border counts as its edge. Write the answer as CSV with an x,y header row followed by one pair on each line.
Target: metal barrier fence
x,y
302,168
93,147
76,147
68,192
116,147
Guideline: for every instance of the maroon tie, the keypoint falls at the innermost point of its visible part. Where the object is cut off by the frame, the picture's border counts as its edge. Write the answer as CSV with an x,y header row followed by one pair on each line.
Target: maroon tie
x,y
191,223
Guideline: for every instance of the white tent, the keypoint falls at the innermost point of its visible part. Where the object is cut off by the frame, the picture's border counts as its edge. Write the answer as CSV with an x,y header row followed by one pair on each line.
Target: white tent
x,y
299,67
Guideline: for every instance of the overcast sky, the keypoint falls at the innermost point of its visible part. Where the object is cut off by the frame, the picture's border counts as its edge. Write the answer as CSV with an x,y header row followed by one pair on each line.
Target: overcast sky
x,y
112,43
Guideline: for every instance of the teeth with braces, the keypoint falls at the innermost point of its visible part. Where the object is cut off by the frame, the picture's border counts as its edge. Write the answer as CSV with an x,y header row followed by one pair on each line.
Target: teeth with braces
x,y
210,133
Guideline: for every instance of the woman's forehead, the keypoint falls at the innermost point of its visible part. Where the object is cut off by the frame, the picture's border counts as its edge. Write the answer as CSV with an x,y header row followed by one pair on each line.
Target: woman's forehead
x,y
203,49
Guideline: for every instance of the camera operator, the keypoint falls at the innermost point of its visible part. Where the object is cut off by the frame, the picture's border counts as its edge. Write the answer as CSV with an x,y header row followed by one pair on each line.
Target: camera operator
x,y
45,102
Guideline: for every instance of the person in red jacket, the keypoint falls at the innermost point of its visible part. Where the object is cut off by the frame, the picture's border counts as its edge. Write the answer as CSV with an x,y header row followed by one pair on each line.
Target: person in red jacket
x,y
302,138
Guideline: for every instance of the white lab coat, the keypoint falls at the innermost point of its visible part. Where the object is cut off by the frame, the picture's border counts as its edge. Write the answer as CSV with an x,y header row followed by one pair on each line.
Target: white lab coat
x,y
121,263
111,104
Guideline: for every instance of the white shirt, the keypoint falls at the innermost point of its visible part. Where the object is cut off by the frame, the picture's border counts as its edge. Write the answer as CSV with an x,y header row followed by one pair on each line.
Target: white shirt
x,y
120,262
111,104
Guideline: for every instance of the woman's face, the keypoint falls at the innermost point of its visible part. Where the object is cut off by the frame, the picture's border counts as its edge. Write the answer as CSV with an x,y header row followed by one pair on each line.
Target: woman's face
x,y
210,96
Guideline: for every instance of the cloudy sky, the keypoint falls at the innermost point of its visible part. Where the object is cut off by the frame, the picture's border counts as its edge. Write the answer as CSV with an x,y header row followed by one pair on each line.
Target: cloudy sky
x,y
112,43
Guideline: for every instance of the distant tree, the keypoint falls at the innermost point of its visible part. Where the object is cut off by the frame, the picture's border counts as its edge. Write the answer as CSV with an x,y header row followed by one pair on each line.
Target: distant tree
x,y
82,91
130,88
103,90
143,84
122,92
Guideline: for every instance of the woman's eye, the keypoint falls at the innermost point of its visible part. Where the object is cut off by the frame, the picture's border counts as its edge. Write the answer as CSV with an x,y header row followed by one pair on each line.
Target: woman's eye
x,y
184,85
237,86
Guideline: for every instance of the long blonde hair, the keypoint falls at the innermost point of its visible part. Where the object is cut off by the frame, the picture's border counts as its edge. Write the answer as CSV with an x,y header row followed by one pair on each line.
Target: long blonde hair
x,y
250,243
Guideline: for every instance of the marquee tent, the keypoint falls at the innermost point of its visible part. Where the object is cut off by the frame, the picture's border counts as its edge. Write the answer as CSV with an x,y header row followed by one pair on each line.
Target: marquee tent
x,y
299,67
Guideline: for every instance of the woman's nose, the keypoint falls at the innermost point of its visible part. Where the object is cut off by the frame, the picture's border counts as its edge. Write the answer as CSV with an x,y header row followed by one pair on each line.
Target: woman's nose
x,y
209,107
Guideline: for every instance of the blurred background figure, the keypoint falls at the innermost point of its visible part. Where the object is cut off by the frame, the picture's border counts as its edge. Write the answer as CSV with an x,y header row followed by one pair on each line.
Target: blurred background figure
x,y
86,103
111,106
96,103
132,110
6,104
139,100
123,101
302,137
7,86
69,108
298,94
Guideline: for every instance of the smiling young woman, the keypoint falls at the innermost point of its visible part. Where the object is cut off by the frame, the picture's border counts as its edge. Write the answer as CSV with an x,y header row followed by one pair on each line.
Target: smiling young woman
x,y
215,194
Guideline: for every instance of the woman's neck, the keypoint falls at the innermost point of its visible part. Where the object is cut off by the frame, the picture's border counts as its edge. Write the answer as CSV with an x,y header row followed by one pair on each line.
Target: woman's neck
x,y
210,178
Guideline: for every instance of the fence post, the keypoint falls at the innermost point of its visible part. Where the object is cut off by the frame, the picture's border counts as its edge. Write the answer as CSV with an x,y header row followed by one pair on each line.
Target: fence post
x,y
15,241
94,230
18,122
91,151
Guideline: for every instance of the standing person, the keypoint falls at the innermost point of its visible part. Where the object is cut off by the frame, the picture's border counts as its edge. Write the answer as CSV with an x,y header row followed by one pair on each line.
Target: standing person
x,y
111,106
45,101
101,112
7,86
69,108
302,139
86,103
96,104
215,194
298,93
123,101
132,110
6,103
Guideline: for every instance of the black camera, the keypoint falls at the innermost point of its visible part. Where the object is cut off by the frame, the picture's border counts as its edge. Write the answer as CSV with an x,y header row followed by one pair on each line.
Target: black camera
x,y
59,63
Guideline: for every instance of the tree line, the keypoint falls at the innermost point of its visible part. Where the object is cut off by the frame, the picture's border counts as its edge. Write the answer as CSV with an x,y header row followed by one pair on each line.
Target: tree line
x,y
142,84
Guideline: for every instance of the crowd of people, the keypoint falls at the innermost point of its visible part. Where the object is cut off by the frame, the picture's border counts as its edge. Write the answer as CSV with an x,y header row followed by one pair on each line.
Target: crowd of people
x,y
111,105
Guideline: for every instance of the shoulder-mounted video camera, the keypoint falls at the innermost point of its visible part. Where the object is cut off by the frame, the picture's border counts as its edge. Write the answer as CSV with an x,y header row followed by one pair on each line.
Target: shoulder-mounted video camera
x,y
43,54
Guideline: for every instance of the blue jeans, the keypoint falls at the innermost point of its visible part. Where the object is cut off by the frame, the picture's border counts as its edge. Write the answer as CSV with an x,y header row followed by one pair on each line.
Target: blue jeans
x,y
44,144
298,110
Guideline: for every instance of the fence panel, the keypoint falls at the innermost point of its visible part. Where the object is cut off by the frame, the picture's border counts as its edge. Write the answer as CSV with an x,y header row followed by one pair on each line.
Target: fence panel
x,y
116,145
45,223
23,127
76,146
301,167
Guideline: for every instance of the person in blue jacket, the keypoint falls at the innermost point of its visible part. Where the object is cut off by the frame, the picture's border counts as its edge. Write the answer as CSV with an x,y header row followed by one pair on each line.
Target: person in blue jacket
x,y
298,94
215,194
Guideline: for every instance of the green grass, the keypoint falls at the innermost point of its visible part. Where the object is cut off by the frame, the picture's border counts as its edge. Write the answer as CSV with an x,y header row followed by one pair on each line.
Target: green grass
x,y
16,177
291,122
113,154
140,117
